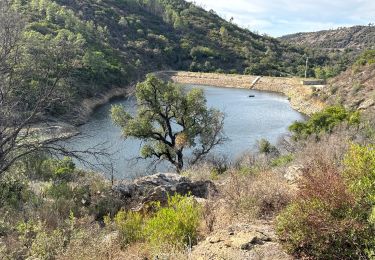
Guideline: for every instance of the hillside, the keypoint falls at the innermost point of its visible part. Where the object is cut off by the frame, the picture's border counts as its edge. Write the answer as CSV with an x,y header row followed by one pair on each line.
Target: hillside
x,y
354,88
339,47
122,40
356,38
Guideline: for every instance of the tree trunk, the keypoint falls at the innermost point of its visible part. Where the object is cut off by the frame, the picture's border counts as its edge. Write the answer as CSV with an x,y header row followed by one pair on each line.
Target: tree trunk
x,y
180,161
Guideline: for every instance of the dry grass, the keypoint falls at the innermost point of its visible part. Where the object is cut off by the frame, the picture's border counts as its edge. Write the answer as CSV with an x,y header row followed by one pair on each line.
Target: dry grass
x,y
96,244
256,196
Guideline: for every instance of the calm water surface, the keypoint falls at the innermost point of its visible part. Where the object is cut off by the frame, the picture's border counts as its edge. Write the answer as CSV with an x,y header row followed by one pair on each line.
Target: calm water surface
x,y
267,115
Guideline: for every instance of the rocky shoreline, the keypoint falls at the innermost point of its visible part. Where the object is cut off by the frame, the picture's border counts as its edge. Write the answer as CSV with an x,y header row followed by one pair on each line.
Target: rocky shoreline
x,y
65,130
89,105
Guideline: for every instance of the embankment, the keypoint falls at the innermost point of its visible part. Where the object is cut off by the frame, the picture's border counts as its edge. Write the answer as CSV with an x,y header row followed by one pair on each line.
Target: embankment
x,y
69,128
300,95
90,104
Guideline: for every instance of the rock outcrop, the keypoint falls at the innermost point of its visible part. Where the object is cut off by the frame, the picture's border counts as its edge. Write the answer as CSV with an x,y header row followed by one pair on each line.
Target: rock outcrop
x,y
243,241
140,192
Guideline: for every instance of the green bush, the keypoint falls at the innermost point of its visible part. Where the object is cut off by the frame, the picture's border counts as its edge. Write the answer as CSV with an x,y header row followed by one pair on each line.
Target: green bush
x,y
47,245
323,122
367,57
360,174
14,192
130,226
175,225
264,146
60,190
282,160
332,217
39,166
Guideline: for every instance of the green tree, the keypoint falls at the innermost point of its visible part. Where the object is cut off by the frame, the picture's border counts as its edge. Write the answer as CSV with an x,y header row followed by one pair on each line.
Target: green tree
x,y
169,120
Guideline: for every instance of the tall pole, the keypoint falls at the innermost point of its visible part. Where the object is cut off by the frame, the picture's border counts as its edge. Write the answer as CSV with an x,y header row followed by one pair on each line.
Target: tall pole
x,y
307,61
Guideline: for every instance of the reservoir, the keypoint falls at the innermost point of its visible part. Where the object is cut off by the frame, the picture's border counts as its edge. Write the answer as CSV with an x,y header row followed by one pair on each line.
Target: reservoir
x,y
250,115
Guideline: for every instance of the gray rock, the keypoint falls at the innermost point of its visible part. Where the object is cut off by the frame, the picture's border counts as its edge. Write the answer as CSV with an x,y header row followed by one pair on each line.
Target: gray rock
x,y
158,187
293,173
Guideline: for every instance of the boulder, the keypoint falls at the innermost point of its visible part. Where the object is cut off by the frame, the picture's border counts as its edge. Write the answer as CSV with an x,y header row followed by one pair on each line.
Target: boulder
x,y
293,173
140,192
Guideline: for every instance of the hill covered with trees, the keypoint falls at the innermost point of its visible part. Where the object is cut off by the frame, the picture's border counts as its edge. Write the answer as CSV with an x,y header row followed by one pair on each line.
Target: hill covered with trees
x,y
119,41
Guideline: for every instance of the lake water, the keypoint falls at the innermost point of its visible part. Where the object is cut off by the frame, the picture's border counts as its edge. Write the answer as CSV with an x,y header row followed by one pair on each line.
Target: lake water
x,y
267,115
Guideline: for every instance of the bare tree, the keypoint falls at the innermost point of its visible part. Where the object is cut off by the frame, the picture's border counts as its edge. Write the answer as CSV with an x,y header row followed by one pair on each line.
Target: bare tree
x,y
34,77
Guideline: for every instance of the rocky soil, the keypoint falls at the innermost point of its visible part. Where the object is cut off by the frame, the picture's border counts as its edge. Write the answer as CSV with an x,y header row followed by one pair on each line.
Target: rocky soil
x,y
354,88
242,241
237,241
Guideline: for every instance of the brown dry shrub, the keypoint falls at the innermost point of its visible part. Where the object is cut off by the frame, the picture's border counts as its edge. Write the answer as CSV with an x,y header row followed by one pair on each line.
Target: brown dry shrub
x,y
256,196
326,220
99,244
209,214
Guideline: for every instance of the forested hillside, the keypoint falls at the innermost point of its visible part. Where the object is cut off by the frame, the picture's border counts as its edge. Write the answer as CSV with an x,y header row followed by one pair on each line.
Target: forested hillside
x,y
117,42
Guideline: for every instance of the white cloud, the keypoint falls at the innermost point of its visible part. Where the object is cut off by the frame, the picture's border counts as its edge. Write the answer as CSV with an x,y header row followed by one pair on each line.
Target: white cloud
x,y
279,17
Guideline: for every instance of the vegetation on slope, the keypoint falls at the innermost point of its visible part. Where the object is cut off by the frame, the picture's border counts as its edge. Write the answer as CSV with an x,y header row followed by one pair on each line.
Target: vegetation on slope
x,y
342,46
354,88
356,37
122,40
49,209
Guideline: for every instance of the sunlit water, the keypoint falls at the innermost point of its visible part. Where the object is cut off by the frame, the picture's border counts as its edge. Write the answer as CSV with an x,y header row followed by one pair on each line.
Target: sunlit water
x,y
247,119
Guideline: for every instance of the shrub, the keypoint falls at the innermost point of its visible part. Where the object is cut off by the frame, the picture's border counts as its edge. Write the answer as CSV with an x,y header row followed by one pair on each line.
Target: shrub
x,y
47,245
200,52
323,122
360,172
256,196
130,226
264,146
282,160
60,191
175,225
14,192
331,217
104,206
367,57
39,166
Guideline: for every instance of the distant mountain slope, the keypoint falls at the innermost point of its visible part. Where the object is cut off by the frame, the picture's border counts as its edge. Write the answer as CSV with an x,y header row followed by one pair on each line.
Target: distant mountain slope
x,y
356,37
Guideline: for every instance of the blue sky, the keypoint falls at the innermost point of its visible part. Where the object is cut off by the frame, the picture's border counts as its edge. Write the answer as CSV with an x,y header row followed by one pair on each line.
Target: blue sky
x,y
280,17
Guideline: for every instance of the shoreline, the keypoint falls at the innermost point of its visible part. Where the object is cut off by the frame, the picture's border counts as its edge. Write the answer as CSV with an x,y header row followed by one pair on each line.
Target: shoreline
x,y
89,105
69,128
299,95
